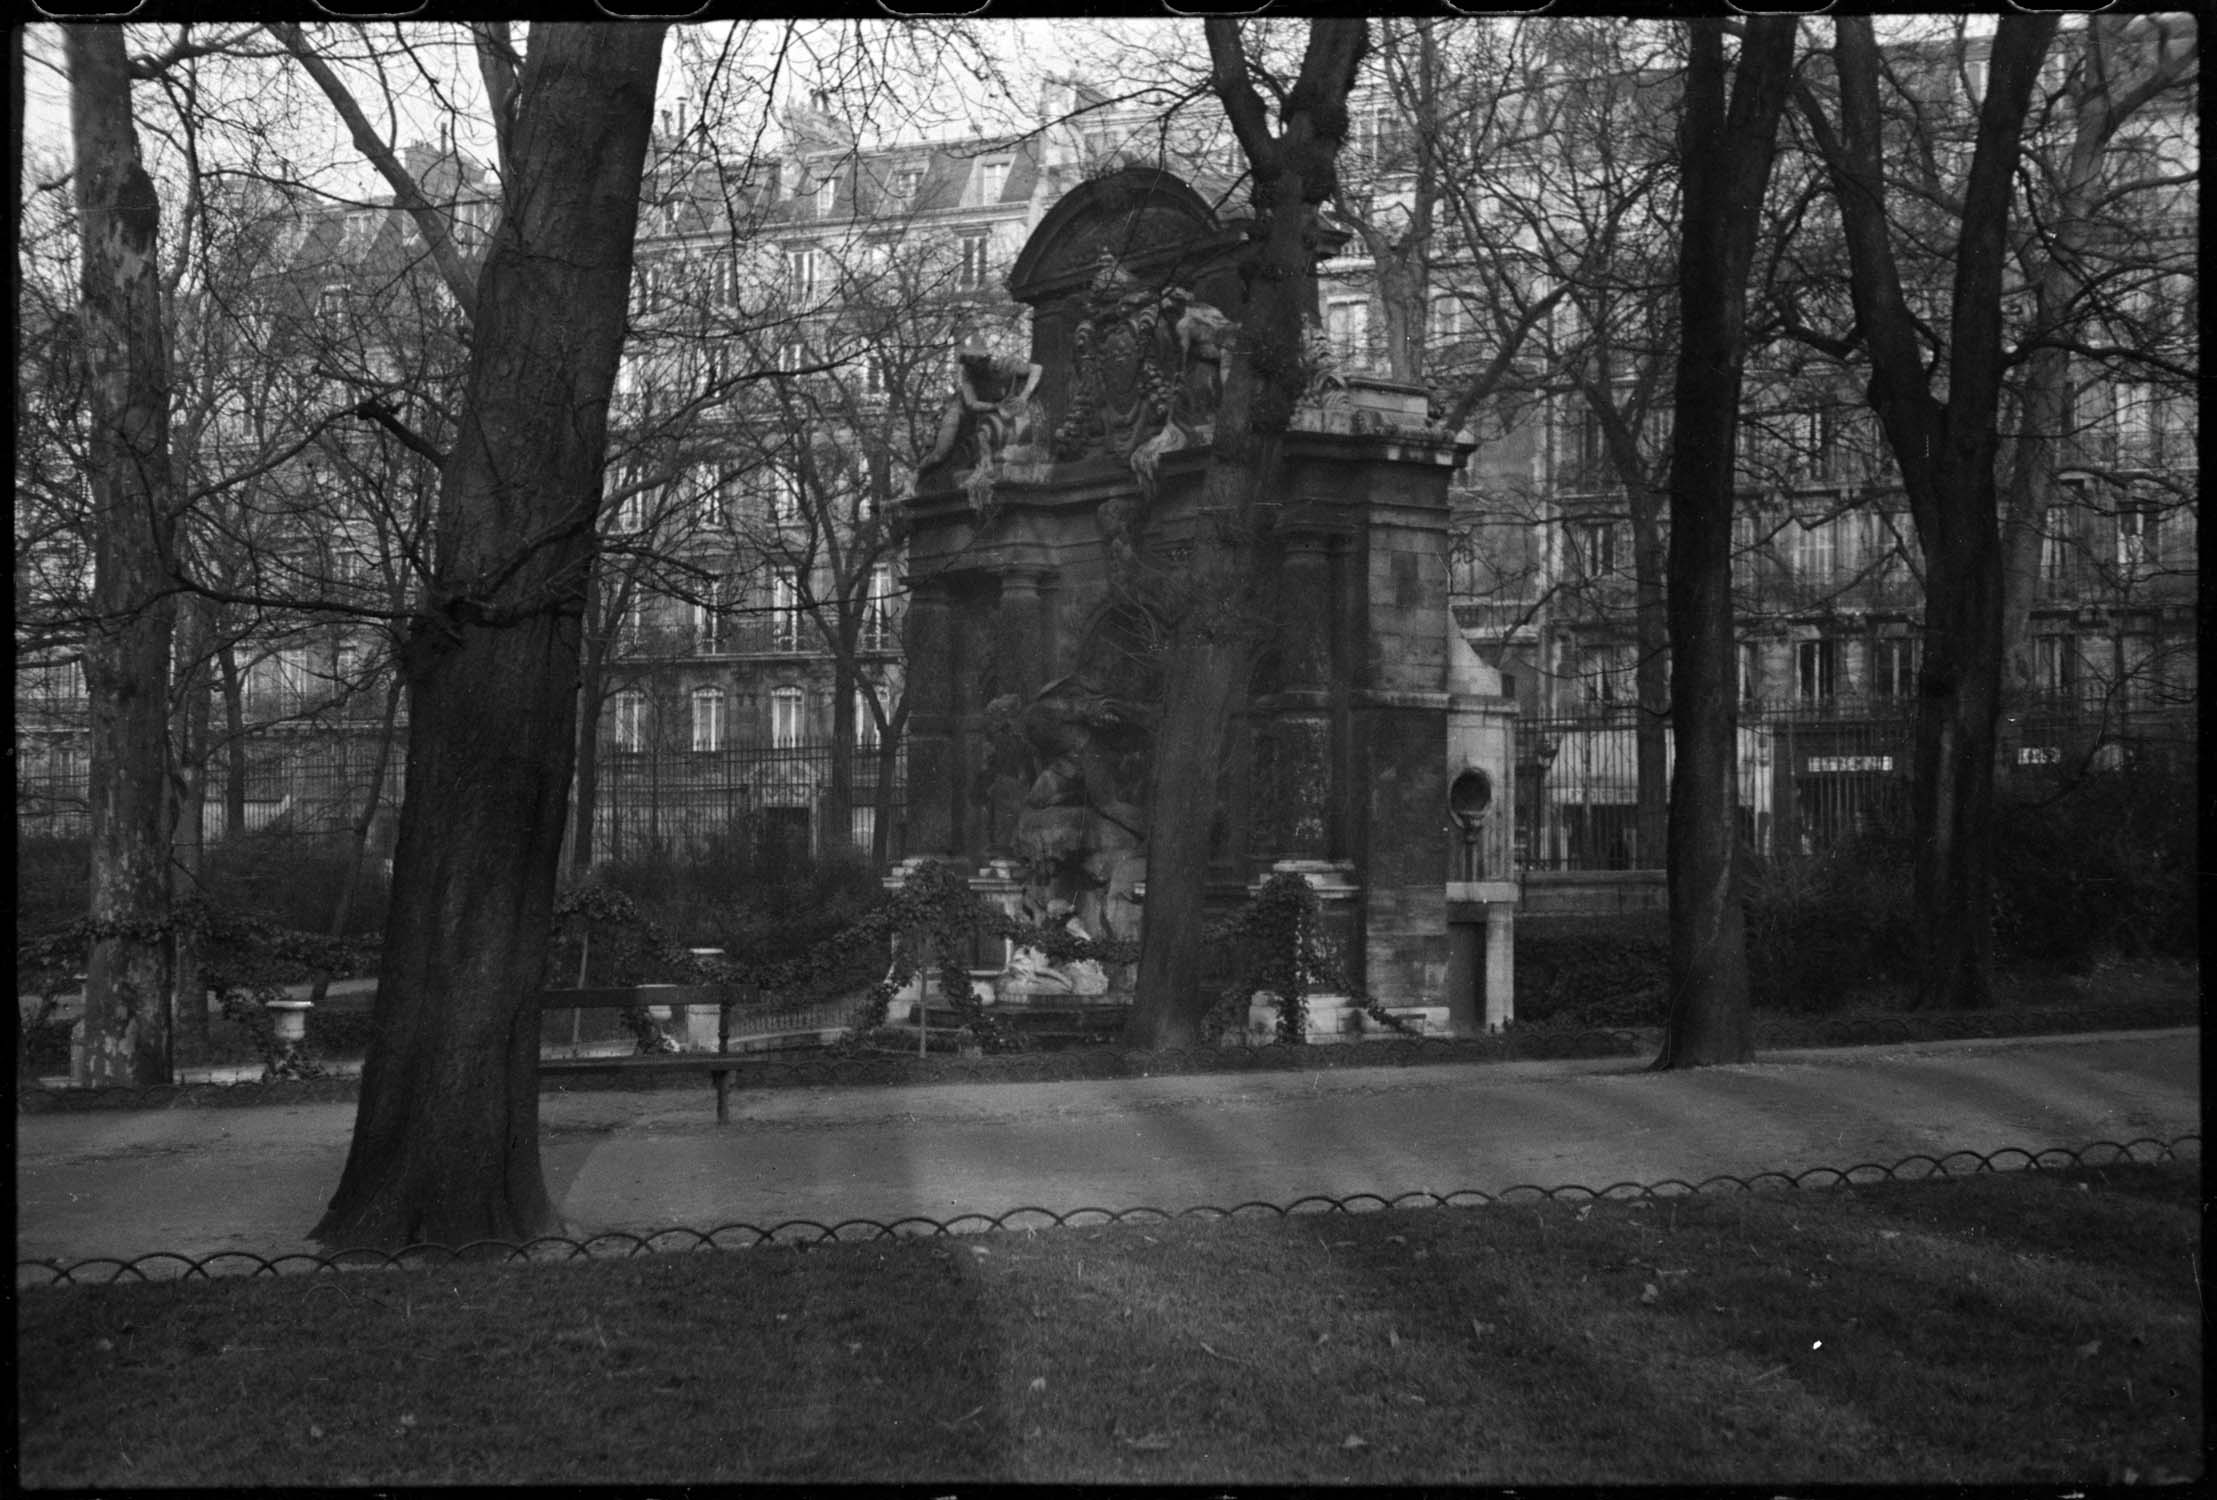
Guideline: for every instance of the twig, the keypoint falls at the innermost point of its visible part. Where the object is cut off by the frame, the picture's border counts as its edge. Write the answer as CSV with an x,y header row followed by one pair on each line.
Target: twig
x,y
1227,1358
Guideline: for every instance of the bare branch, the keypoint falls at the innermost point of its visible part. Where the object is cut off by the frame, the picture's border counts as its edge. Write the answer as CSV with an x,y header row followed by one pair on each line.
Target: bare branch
x,y
406,193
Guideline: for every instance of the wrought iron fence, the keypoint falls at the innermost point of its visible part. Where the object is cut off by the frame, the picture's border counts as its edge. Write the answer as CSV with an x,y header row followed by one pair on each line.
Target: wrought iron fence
x,y
170,1265
664,800
310,783
1806,780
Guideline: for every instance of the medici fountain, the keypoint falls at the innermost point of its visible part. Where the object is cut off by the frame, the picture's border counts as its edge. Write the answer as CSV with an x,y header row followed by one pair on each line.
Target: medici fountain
x,y
1371,755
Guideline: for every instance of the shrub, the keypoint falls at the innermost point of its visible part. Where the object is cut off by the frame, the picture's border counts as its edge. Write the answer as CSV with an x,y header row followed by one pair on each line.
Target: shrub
x,y
2105,869
1823,926
1600,972
52,882
767,904
293,880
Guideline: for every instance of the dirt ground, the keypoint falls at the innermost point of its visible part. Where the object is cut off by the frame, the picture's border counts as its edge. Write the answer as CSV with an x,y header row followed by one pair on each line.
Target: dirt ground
x,y
199,1181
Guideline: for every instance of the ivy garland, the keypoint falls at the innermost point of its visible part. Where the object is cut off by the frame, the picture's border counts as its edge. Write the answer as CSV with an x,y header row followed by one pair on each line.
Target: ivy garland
x,y
933,920
245,961
1280,932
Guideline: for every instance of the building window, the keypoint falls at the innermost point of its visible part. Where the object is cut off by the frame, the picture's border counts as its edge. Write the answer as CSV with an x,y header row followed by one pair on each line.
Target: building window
x,y
708,719
709,509
1594,544
1601,674
1816,670
877,610
803,270
1751,680
791,355
2132,408
2055,542
335,304
631,721
902,189
1816,550
2055,665
2137,526
2138,682
1381,134
1449,321
992,181
279,682
977,253
788,716
865,721
1893,667
827,196
711,619
781,494
1347,328
785,614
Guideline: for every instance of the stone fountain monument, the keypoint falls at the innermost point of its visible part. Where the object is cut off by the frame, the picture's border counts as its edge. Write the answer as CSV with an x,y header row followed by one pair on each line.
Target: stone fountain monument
x,y
1373,753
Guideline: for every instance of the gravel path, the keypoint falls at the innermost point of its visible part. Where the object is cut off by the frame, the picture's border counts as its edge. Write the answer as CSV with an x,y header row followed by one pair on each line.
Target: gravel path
x,y
114,1183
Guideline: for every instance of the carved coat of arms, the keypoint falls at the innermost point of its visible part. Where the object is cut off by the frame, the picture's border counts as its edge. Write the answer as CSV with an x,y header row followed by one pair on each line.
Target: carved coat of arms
x,y
1145,371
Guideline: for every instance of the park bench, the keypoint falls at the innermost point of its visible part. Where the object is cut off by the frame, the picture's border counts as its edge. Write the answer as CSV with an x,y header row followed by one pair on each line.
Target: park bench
x,y
718,1065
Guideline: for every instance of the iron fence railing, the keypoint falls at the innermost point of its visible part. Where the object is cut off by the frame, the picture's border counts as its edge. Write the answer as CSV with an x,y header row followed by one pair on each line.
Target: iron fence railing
x,y
624,1244
314,782
1807,779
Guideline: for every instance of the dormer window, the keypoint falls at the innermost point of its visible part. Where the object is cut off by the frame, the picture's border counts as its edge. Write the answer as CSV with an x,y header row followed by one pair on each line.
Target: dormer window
x,y
905,183
992,181
827,196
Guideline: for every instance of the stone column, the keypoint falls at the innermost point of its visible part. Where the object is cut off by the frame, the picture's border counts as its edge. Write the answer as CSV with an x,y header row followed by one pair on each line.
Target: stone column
x,y
1465,961
1500,965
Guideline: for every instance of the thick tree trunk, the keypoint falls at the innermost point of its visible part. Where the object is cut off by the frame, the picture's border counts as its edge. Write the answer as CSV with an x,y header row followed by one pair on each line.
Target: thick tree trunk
x,y
127,648
1219,621
592,693
446,1143
190,753
1958,711
1728,151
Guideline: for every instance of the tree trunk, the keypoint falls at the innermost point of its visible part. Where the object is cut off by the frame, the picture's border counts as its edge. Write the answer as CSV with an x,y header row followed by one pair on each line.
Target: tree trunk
x,y
446,1144
837,833
233,684
189,991
126,1023
592,692
1219,620
1727,151
1952,800
1946,452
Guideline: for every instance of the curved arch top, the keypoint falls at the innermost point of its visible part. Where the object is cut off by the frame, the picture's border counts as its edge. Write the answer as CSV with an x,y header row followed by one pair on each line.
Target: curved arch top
x,y
1148,219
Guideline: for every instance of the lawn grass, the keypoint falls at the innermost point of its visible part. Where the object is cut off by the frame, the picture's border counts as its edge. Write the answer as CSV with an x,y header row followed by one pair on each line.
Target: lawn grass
x,y
2040,1327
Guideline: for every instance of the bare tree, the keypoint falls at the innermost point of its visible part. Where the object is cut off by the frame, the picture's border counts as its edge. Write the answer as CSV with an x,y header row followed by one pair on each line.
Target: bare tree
x,y
1945,447
446,1138
1728,148
126,653
1216,621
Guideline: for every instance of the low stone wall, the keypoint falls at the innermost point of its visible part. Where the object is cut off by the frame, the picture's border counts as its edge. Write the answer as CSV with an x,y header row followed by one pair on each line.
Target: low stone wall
x,y
1592,893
